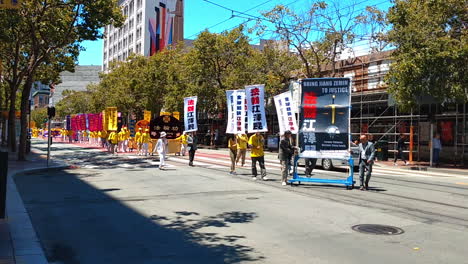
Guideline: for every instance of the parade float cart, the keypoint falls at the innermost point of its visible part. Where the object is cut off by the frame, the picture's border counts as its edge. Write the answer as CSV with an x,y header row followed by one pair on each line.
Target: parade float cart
x,y
324,107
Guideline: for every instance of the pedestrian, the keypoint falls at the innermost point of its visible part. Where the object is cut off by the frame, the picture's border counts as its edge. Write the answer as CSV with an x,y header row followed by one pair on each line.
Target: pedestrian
x,y
145,139
242,141
400,148
286,151
161,147
183,143
113,141
366,161
121,139
436,148
256,143
192,142
310,164
232,145
138,140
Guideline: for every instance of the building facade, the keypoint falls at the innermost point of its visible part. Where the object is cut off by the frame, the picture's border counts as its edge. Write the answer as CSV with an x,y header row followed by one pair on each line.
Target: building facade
x,y
75,81
150,26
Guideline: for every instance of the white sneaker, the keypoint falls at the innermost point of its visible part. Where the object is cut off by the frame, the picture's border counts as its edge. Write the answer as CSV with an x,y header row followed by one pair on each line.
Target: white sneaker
x,y
283,183
394,164
265,178
254,178
406,163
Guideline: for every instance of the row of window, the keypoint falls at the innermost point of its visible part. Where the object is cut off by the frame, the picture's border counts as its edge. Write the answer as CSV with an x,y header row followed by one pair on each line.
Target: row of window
x,y
123,56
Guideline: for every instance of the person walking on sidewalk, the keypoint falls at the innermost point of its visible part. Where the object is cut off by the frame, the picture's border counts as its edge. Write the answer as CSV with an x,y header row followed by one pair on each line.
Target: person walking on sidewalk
x,y
257,142
192,142
436,148
183,143
400,148
232,145
366,161
286,151
242,141
161,147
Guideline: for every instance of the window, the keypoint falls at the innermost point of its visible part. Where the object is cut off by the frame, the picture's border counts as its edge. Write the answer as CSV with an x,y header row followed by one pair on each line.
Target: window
x,y
126,11
130,24
138,33
130,51
131,7
139,18
105,42
105,55
138,48
138,4
130,39
104,66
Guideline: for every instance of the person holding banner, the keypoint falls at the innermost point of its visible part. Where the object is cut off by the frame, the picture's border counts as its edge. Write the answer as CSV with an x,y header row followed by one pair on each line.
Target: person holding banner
x,y
161,148
366,160
192,142
232,145
286,152
242,140
257,142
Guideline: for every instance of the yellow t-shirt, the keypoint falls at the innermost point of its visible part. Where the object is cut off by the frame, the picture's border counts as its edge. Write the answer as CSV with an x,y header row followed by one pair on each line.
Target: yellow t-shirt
x,y
113,138
103,134
232,144
145,138
242,141
257,146
138,137
183,139
121,135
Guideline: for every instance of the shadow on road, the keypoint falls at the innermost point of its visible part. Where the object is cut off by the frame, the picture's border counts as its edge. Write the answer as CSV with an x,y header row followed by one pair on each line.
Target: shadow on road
x,y
78,223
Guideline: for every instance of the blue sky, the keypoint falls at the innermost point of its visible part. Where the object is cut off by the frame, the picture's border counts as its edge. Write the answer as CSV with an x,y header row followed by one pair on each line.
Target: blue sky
x,y
200,15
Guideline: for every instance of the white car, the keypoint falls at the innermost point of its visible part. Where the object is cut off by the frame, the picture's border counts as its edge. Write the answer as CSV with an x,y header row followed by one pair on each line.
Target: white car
x,y
330,164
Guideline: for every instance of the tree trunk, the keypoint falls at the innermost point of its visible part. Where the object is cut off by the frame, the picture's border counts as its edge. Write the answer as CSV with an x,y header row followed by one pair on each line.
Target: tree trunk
x,y
25,108
12,120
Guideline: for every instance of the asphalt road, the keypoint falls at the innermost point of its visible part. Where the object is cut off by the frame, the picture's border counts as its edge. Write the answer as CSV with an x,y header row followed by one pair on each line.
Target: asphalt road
x,y
122,209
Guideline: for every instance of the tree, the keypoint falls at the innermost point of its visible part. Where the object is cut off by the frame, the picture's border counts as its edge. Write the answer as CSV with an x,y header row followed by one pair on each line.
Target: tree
x,y
42,32
39,116
431,48
74,102
318,36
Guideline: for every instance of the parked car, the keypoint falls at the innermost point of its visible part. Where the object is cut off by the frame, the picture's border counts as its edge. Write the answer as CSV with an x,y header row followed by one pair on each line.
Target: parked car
x,y
330,164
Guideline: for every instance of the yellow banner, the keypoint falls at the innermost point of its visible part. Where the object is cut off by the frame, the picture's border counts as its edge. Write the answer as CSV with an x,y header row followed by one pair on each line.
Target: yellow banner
x,y
147,115
104,120
111,113
176,115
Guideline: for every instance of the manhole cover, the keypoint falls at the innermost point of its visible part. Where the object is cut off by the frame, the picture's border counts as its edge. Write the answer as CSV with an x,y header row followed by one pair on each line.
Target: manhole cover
x,y
251,198
378,229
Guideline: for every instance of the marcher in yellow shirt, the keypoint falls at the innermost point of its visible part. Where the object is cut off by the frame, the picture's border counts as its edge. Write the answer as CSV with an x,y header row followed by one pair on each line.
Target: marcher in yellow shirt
x,y
184,143
103,135
138,140
145,139
257,142
121,138
113,141
232,145
242,140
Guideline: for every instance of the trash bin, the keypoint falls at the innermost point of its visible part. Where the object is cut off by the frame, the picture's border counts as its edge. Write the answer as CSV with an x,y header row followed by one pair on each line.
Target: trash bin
x,y
382,150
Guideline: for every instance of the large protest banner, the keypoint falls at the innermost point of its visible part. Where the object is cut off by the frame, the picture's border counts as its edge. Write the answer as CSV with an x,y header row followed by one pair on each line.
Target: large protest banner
x,y
324,118
111,118
286,113
236,111
255,95
190,114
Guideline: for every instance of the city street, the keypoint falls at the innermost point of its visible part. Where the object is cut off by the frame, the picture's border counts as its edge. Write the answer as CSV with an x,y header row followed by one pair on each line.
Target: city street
x,y
123,209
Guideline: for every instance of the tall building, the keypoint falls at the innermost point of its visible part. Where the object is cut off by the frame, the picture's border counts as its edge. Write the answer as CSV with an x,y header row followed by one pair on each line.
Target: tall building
x,y
150,26
76,81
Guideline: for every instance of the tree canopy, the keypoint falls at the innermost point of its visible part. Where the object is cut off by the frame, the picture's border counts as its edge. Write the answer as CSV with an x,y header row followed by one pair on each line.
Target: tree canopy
x,y
431,52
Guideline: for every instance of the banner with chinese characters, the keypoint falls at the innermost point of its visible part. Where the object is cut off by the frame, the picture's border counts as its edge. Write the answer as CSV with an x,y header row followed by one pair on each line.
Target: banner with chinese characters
x,y
285,112
324,119
190,114
165,123
236,111
111,118
93,122
256,108
147,115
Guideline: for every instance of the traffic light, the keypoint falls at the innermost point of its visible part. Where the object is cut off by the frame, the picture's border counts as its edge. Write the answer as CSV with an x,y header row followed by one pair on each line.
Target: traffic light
x,y
51,112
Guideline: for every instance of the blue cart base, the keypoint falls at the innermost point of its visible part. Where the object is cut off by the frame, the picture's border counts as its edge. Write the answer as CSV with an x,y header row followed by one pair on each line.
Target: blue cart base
x,y
348,182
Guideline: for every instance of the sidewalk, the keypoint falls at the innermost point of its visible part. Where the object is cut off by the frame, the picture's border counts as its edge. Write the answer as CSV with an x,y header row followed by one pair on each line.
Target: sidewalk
x,y
18,240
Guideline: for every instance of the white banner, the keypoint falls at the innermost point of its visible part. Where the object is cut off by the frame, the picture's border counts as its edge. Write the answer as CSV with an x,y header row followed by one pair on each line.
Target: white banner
x,y
236,111
255,95
190,114
285,110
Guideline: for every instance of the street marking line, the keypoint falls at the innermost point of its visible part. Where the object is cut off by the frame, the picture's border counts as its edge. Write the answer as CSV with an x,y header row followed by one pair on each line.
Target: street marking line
x,y
462,183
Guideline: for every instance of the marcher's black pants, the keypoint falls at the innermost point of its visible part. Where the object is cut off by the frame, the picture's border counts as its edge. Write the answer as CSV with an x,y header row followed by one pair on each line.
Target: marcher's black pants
x,y
399,156
191,155
310,165
261,162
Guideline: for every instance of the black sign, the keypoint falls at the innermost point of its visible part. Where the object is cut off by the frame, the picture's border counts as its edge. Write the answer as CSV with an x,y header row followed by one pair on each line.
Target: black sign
x,y
168,124
324,118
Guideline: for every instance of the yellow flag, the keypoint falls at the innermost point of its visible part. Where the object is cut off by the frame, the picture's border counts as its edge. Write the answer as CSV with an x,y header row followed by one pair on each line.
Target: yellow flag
x,y
147,115
111,113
